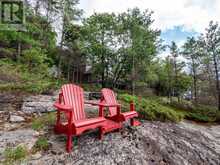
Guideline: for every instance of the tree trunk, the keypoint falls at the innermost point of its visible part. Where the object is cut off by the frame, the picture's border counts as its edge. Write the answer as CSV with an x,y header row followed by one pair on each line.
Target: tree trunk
x,y
36,8
217,81
59,56
61,46
169,81
48,10
194,82
195,88
106,74
133,75
176,92
68,71
77,74
73,79
19,50
103,71
116,75
80,75
103,62
116,78
209,73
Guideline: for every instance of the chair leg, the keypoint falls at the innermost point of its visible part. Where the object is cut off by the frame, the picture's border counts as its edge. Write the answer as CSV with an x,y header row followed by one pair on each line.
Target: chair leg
x,y
101,133
69,143
57,125
132,122
56,129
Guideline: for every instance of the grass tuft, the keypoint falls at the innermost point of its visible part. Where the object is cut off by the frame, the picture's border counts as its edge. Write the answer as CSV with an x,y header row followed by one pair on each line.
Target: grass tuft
x,y
41,145
15,154
42,121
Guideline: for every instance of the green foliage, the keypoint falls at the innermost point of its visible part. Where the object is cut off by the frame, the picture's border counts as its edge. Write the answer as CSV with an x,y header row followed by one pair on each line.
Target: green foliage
x,y
157,109
39,30
197,112
199,117
12,155
210,43
37,124
41,144
18,76
42,121
113,41
36,32
97,37
163,71
34,58
26,69
152,110
128,98
183,83
174,50
203,115
92,87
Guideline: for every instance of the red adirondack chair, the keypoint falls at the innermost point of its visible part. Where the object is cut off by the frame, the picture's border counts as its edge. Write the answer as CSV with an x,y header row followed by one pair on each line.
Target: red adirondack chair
x,y
108,97
71,102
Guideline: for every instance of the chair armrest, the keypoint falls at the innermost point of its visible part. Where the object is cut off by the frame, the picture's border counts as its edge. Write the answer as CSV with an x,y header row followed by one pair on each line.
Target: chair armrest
x,y
112,105
94,103
61,107
102,104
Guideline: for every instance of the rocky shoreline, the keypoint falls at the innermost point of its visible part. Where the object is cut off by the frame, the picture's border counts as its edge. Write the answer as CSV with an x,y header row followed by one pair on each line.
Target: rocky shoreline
x,y
151,143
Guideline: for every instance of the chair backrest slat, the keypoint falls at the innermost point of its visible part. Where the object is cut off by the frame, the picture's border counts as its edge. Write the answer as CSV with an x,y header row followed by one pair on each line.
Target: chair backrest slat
x,y
109,98
73,96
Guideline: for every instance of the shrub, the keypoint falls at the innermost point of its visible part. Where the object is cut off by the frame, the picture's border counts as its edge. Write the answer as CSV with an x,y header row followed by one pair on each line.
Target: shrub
x,y
11,155
128,98
45,120
41,144
92,87
17,76
152,110
197,112
34,58
37,124
198,117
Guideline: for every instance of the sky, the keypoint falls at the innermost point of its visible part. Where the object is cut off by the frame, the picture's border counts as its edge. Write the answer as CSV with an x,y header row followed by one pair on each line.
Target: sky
x,y
177,19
